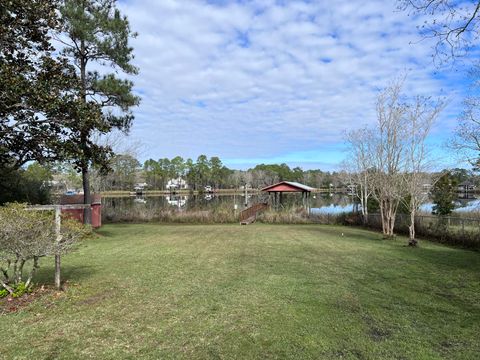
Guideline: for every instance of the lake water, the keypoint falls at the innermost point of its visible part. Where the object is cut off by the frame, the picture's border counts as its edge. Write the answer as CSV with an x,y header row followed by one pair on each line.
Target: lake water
x,y
319,203
335,203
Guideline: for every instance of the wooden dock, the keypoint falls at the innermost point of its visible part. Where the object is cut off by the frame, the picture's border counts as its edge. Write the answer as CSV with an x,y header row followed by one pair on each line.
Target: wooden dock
x,y
249,215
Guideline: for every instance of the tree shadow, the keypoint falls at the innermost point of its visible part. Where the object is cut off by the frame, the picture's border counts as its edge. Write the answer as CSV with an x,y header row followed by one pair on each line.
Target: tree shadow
x,y
446,256
45,275
104,233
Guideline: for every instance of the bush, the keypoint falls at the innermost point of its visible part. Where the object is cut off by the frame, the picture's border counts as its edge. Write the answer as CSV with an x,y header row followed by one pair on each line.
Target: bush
x,y
286,216
25,237
220,214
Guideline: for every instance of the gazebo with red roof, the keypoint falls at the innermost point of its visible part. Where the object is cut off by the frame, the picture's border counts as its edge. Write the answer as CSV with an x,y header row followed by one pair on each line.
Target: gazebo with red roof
x,y
288,187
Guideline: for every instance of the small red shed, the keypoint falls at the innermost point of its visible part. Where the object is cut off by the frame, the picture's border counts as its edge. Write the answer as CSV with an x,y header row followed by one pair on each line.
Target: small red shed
x,y
78,213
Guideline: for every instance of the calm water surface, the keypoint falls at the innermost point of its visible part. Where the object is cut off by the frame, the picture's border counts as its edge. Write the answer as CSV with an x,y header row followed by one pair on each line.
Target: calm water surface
x,y
319,203
334,203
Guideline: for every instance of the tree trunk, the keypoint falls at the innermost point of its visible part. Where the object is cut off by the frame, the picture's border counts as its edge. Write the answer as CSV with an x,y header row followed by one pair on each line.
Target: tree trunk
x,y
32,272
383,218
87,211
87,199
5,271
5,286
411,230
388,212
18,279
15,267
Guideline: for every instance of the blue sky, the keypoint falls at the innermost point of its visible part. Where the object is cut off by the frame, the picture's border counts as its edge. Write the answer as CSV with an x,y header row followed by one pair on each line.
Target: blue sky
x,y
275,81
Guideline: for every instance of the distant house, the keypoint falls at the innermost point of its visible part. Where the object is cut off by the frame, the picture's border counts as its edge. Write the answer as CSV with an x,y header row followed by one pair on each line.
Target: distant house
x,y
139,188
176,184
175,200
351,189
466,186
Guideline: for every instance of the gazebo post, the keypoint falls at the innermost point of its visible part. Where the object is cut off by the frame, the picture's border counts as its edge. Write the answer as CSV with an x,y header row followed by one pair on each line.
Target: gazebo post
x,y
278,189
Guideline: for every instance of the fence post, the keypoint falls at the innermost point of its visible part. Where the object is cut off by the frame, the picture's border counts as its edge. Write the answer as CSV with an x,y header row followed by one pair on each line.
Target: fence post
x,y
58,235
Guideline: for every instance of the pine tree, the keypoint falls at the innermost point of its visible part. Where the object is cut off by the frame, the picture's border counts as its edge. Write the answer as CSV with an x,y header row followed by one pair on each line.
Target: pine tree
x,y
96,34
444,195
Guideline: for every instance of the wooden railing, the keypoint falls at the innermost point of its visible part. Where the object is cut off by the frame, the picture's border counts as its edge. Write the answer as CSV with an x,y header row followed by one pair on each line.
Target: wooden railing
x,y
252,211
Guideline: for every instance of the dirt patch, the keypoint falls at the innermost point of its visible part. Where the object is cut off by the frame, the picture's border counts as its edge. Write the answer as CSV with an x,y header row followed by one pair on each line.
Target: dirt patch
x,y
93,299
10,304
375,331
379,334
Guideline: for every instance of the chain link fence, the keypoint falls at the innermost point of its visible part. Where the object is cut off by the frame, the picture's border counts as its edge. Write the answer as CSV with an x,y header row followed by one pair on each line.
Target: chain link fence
x,y
451,230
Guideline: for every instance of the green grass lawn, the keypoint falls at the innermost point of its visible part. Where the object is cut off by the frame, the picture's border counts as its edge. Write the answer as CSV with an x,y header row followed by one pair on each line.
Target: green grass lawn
x,y
252,292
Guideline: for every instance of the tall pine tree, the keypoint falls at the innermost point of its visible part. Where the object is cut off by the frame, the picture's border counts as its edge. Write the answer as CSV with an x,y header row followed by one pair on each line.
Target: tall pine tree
x,y
96,35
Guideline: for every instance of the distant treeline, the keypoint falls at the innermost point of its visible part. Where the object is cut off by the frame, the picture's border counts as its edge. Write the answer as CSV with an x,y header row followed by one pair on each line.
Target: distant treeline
x,y
209,172
35,182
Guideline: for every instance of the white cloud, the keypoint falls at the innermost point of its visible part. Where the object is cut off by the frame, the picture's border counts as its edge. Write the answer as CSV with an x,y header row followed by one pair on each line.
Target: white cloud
x,y
258,79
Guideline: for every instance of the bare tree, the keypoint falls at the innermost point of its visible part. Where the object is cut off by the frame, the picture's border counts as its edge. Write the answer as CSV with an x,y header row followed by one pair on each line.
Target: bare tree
x,y
122,145
359,165
389,161
467,134
387,153
420,116
454,25
455,28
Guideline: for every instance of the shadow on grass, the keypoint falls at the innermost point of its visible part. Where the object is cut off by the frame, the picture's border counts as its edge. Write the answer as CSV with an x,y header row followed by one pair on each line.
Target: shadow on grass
x,y
447,256
45,275
427,253
101,233
348,232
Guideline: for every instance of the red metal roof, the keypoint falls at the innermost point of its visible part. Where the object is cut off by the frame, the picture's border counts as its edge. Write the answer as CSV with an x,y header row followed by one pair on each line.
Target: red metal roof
x,y
288,186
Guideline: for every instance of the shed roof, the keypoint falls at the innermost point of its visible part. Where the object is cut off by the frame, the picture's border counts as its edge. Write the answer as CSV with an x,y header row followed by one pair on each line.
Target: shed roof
x,y
288,186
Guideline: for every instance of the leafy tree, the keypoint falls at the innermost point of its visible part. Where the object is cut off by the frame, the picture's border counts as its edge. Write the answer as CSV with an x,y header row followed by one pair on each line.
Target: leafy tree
x,y
177,165
444,194
297,174
30,185
461,175
192,174
67,175
216,171
96,34
280,171
152,173
34,103
124,172
202,168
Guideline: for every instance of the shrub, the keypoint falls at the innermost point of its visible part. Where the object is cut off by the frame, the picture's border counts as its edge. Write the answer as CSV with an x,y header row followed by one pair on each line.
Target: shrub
x,y
25,237
293,215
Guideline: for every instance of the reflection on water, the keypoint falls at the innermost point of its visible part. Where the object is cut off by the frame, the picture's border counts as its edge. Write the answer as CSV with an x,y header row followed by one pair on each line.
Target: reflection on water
x,y
319,203
333,203
470,204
